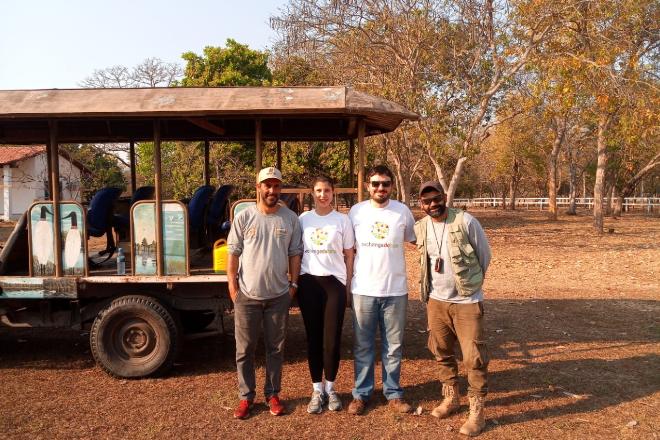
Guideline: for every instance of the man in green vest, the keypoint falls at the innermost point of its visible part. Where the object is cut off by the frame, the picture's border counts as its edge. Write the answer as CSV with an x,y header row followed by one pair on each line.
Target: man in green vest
x,y
454,257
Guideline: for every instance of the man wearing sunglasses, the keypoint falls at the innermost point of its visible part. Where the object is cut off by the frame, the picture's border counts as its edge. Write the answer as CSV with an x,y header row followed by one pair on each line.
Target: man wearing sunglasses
x,y
454,257
380,290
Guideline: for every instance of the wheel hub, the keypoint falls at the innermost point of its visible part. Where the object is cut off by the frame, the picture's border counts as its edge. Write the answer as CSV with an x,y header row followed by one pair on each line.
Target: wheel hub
x,y
137,339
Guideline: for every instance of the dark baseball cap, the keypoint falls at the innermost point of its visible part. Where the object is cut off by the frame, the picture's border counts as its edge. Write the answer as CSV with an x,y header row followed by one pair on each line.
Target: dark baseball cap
x,y
431,185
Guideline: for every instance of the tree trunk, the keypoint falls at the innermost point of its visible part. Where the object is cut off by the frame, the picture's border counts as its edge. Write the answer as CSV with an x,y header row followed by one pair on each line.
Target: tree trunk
x,y
572,181
560,131
617,202
455,178
402,182
512,195
601,165
503,197
609,191
438,169
513,183
405,189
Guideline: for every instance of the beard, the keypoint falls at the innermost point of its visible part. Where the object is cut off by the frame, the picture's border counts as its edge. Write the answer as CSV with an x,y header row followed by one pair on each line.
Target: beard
x,y
437,212
270,201
380,198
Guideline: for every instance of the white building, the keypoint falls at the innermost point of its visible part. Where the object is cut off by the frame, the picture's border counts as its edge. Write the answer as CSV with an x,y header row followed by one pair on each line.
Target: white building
x,y
25,178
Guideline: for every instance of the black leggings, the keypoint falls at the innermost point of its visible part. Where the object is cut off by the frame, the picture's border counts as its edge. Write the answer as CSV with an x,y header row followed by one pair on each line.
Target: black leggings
x,y
322,302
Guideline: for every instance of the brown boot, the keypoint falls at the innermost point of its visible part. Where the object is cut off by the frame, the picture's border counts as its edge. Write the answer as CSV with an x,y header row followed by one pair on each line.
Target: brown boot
x,y
399,406
357,407
476,422
449,402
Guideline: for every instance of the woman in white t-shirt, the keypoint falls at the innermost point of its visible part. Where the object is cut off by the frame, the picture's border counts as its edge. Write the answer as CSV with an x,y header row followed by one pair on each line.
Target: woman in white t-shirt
x,y
327,268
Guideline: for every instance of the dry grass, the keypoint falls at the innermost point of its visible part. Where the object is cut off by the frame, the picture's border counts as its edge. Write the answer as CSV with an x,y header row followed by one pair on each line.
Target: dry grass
x,y
572,329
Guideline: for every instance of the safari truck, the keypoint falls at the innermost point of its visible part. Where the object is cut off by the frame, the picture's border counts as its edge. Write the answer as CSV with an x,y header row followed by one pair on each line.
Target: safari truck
x,y
50,275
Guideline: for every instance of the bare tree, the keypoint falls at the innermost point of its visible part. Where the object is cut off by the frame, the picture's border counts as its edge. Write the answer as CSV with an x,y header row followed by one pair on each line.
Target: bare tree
x,y
110,77
446,60
152,72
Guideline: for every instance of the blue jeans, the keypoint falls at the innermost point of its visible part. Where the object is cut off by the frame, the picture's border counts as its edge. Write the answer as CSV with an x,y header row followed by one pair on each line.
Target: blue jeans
x,y
388,313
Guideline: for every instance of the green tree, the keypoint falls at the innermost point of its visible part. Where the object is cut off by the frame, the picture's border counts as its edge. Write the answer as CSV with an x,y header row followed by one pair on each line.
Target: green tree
x,y
234,65
104,168
609,47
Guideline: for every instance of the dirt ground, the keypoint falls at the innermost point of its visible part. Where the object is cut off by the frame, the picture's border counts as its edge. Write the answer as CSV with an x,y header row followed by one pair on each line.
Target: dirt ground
x,y
572,325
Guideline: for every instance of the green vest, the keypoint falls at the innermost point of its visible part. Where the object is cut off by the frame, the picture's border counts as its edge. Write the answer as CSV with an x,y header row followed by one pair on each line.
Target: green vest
x,y
468,274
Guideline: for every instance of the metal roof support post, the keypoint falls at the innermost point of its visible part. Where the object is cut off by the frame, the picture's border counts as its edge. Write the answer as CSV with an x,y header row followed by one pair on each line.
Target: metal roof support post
x,y
132,158
54,160
159,198
362,125
279,155
351,162
207,177
258,144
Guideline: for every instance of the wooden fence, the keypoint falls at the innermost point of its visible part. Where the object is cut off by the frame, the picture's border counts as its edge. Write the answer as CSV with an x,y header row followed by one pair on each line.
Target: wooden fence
x,y
648,204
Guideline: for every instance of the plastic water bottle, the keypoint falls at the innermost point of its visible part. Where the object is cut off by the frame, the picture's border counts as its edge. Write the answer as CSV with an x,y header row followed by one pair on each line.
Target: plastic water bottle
x,y
121,262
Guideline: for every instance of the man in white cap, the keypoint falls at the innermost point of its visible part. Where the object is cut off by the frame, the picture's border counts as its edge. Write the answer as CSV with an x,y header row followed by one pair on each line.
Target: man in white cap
x,y
265,243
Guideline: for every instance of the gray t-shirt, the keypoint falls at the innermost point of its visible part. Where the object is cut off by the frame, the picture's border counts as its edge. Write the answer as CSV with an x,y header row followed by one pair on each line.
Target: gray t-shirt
x,y
443,286
264,243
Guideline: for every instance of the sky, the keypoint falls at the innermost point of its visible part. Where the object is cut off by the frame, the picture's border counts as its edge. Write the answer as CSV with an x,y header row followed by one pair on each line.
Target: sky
x,y
48,44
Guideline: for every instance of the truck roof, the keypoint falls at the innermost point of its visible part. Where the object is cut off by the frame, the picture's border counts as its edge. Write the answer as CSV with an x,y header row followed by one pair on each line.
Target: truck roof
x,y
195,113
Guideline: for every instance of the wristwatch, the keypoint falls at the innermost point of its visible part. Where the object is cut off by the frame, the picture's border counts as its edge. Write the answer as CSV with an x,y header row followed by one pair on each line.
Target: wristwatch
x,y
292,284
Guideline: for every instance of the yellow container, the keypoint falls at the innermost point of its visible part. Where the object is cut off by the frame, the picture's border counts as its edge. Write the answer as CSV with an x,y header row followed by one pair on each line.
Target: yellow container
x,y
220,256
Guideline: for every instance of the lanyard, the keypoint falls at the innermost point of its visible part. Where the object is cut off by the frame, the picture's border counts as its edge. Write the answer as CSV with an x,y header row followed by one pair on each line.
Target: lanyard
x,y
439,245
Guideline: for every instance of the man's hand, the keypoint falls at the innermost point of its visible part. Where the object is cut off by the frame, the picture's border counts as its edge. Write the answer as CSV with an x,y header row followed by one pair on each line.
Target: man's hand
x,y
293,289
232,276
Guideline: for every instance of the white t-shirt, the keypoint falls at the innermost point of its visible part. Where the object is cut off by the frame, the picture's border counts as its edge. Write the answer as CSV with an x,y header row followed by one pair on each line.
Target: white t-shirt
x,y
380,265
325,237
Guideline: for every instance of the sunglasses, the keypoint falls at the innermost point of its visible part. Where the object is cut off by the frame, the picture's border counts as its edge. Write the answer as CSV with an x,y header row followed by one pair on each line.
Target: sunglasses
x,y
377,183
437,199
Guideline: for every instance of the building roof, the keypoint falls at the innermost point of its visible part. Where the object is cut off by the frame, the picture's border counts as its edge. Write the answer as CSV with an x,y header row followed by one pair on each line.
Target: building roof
x,y
195,113
11,154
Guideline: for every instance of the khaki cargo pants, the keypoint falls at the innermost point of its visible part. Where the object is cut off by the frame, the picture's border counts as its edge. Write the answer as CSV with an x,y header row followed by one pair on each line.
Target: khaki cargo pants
x,y
449,323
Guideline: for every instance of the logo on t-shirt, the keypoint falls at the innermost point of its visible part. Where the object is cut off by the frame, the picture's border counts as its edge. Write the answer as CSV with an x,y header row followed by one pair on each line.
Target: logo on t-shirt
x,y
380,230
319,237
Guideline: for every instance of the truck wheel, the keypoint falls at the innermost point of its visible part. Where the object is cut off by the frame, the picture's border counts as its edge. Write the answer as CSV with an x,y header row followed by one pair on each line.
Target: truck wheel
x,y
196,321
135,336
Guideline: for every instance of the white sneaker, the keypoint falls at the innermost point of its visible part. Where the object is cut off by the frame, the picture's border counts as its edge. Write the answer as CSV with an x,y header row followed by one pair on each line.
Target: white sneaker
x,y
334,402
316,403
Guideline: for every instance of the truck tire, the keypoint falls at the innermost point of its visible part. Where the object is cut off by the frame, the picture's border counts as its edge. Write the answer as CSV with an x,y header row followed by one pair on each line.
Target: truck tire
x,y
135,336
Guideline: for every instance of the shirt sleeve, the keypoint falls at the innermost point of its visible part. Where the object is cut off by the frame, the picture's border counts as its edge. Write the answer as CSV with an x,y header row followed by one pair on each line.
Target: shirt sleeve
x,y
296,243
410,227
478,240
348,233
235,238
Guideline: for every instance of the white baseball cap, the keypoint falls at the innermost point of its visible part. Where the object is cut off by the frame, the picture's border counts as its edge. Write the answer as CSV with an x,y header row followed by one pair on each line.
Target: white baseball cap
x,y
269,173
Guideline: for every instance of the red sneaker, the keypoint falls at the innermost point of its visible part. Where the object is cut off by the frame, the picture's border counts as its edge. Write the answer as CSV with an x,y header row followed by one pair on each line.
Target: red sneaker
x,y
276,407
243,409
